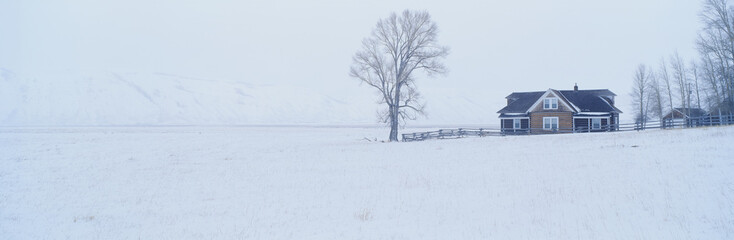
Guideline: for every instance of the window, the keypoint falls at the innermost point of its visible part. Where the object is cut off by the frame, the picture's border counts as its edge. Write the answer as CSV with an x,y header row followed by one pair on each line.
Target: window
x,y
550,103
550,123
596,123
516,123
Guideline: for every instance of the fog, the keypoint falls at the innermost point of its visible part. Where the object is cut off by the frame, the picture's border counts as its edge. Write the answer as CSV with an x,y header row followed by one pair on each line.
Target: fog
x,y
497,47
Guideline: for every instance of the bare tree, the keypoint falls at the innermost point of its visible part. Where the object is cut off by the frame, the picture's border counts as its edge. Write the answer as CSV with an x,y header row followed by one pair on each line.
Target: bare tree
x,y
713,77
694,72
680,76
716,46
714,66
639,94
656,97
398,46
665,78
710,77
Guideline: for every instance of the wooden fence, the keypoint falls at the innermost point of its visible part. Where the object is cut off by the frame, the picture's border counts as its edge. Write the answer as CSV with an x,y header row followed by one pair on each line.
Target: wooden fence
x,y
658,124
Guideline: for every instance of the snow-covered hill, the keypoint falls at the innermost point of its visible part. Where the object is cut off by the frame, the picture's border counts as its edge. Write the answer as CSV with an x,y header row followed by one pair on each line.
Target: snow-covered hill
x,y
109,98
124,99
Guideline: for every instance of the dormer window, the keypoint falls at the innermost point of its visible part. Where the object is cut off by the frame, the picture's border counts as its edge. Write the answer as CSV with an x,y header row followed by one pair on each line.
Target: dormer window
x,y
550,103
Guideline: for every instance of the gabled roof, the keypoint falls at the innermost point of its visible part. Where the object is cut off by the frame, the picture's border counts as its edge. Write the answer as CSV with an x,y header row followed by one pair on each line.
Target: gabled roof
x,y
580,100
683,112
521,101
591,100
557,94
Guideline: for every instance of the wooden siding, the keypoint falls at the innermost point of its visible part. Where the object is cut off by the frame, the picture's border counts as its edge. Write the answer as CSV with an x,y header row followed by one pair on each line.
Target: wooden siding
x,y
565,120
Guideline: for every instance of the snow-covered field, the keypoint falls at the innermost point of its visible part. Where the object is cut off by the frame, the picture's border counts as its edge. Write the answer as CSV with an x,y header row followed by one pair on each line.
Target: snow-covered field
x,y
331,183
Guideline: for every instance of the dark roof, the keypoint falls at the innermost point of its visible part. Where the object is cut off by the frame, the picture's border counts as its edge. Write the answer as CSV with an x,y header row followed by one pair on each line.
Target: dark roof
x,y
597,92
591,100
521,101
585,100
682,112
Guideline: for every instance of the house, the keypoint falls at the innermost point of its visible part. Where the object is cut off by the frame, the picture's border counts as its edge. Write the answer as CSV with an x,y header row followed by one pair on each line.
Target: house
x,y
680,117
682,113
553,111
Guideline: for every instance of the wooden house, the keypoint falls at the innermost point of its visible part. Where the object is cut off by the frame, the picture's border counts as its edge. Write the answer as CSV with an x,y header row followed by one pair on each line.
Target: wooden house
x,y
684,117
555,111
683,113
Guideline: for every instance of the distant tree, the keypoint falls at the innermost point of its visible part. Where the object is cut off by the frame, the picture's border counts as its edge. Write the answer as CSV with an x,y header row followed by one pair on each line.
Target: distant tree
x,y
680,77
398,46
656,97
709,77
696,86
664,77
712,76
716,46
639,94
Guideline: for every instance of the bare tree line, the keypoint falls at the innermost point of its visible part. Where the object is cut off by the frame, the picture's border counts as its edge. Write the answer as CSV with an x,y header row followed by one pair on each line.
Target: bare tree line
x,y
706,83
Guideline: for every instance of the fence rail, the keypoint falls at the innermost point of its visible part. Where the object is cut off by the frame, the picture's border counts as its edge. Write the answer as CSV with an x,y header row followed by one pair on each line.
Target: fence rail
x,y
714,120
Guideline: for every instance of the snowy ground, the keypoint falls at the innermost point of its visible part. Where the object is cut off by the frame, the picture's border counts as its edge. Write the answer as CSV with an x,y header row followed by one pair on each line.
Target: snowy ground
x,y
330,183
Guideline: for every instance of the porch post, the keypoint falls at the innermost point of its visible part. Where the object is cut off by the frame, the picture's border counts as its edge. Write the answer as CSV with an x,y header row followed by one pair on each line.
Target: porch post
x,y
502,125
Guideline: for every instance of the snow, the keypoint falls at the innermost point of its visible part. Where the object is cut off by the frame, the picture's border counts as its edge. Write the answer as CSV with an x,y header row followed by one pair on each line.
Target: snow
x,y
332,183
595,113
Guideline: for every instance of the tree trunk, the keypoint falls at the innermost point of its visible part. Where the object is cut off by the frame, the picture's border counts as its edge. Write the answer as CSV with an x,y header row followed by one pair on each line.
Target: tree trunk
x,y
642,110
394,130
394,115
393,126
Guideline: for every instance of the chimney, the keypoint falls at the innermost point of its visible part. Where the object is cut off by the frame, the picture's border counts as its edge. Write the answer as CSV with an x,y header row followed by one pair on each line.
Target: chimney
x,y
575,87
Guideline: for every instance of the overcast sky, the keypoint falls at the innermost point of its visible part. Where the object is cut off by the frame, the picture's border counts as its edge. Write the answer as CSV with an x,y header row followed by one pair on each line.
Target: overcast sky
x,y
496,46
